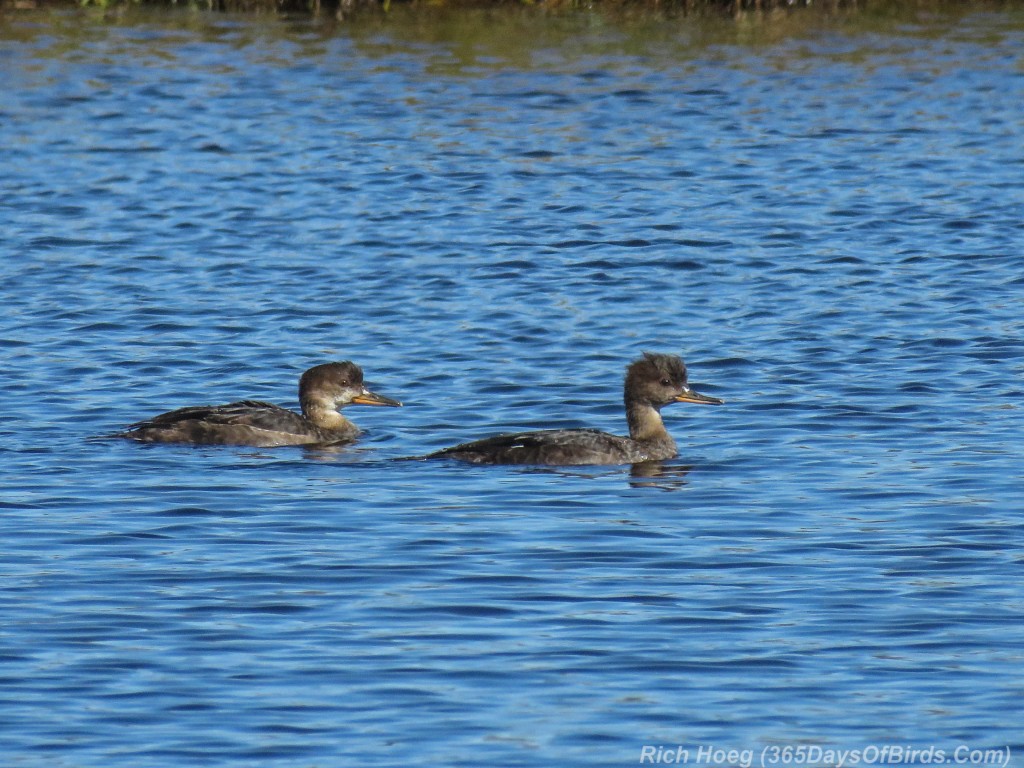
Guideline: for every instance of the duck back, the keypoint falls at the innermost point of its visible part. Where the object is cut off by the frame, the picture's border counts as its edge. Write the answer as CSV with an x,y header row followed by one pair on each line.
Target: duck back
x,y
556,447
246,422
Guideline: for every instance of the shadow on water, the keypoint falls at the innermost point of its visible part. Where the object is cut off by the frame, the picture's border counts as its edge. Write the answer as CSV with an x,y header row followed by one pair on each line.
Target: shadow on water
x,y
651,474
655,474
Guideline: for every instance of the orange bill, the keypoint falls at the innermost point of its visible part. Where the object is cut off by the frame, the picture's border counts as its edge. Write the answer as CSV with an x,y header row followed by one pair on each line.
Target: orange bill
x,y
689,396
366,397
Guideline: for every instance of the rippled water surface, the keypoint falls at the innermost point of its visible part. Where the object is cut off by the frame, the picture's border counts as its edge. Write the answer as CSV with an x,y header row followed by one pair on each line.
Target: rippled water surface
x,y
493,214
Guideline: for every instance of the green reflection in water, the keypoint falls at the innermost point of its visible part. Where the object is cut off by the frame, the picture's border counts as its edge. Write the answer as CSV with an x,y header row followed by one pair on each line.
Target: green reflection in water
x,y
466,41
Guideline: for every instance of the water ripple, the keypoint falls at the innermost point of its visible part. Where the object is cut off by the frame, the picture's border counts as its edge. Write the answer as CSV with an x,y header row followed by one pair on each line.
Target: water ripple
x,y
826,226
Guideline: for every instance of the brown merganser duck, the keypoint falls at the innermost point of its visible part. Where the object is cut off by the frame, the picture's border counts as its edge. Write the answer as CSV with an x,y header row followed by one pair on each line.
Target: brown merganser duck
x,y
653,381
323,389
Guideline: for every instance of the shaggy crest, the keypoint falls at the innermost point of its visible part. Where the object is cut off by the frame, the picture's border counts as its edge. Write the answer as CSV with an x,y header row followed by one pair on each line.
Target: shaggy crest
x,y
654,365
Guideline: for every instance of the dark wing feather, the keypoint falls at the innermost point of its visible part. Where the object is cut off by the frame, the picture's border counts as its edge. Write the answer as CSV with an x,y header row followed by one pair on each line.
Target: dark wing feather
x,y
248,412
549,446
247,422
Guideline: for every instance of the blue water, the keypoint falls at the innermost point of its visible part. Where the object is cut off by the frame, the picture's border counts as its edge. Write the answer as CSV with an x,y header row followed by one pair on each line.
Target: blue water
x,y
493,216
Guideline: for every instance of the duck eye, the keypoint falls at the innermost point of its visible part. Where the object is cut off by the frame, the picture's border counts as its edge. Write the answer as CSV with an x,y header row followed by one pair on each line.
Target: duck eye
x,y
666,382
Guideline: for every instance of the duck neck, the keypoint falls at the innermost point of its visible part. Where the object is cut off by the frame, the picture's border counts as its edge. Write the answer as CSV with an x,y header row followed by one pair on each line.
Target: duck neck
x,y
645,424
324,415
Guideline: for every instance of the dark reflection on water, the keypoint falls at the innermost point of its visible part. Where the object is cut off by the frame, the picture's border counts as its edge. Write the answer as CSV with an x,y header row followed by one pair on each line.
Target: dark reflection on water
x,y
658,475
493,214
